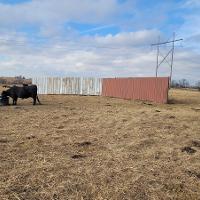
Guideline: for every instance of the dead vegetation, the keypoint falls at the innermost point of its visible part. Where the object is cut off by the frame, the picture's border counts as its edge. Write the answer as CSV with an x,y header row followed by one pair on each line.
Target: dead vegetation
x,y
78,147
18,80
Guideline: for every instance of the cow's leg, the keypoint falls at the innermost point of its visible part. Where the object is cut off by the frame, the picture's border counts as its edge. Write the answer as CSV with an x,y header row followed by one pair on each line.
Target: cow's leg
x,y
34,100
38,99
14,101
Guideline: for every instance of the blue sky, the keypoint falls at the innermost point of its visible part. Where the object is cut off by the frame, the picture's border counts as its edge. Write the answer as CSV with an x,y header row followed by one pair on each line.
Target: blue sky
x,y
105,38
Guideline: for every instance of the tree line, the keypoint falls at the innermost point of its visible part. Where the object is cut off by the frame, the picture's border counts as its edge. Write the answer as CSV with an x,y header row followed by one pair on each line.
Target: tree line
x,y
15,80
184,83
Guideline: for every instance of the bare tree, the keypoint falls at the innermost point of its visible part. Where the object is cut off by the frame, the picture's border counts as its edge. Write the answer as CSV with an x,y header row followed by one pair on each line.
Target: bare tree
x,y
174,84
198,85
184,83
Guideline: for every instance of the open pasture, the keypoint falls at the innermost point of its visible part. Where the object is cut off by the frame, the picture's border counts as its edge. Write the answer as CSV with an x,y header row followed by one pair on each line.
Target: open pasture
x,y
87,147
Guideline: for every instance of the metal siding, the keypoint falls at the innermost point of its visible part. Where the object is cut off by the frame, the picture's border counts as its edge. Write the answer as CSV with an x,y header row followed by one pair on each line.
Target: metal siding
x,y
149,89
68,85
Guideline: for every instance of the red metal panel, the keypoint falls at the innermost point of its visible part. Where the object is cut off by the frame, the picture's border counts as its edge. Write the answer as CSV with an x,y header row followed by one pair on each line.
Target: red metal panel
x,y
149,89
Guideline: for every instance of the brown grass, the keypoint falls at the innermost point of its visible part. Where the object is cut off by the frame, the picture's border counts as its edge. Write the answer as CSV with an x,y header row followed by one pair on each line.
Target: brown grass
x,y
78,147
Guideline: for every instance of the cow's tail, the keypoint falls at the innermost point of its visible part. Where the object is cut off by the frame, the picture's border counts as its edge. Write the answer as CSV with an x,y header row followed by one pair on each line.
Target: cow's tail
x,y
38,100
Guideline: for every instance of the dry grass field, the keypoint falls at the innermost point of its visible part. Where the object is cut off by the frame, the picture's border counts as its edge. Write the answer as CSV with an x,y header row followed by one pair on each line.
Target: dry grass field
x,y
79,147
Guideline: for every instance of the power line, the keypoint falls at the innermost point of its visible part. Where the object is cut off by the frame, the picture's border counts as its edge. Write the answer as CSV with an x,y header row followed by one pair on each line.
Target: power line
x,y
170,52
39,45
172,41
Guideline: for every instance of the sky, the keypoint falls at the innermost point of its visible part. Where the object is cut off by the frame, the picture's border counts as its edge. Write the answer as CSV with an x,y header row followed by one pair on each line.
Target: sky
x,y
98,38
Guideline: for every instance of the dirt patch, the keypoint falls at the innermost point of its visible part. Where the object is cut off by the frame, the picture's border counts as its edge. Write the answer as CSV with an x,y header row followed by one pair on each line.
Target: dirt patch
x,y
4,140
29,137
83,144
188,150
61,127
149,104
78,156
193,173
196,143
172,117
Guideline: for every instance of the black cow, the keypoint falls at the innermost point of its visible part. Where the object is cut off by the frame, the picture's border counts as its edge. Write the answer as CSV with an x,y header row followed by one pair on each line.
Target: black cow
x,y
24,92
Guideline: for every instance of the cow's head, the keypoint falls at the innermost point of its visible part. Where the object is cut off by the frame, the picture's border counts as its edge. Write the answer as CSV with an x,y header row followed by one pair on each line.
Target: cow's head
x,y
4,93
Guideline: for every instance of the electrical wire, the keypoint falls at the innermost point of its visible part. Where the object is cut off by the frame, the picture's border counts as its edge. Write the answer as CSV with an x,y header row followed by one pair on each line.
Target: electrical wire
x,y
23,44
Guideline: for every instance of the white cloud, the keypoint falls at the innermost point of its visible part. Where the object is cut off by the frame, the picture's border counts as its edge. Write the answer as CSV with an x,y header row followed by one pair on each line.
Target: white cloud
x,y
143,37
51,16
53,11
80,57
126,53
191,26
76,59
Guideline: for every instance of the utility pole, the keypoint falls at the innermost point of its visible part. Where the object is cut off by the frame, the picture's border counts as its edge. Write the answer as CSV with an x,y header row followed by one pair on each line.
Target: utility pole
x,y
172,58
171,51
158,51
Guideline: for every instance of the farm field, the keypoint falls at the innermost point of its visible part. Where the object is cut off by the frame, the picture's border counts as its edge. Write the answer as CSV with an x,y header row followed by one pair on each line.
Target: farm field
x,y
87,147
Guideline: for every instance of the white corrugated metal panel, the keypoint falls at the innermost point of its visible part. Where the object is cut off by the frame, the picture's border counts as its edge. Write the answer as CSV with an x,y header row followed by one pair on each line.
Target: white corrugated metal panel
x,y
41,84
68,85
91,86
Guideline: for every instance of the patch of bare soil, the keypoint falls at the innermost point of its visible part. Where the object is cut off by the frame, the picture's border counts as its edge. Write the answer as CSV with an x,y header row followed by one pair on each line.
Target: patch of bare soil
x,y
189,150
79,147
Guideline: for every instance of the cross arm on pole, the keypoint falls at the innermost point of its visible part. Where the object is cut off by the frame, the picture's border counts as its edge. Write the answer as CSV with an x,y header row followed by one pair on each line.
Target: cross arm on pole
x,y
166,42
